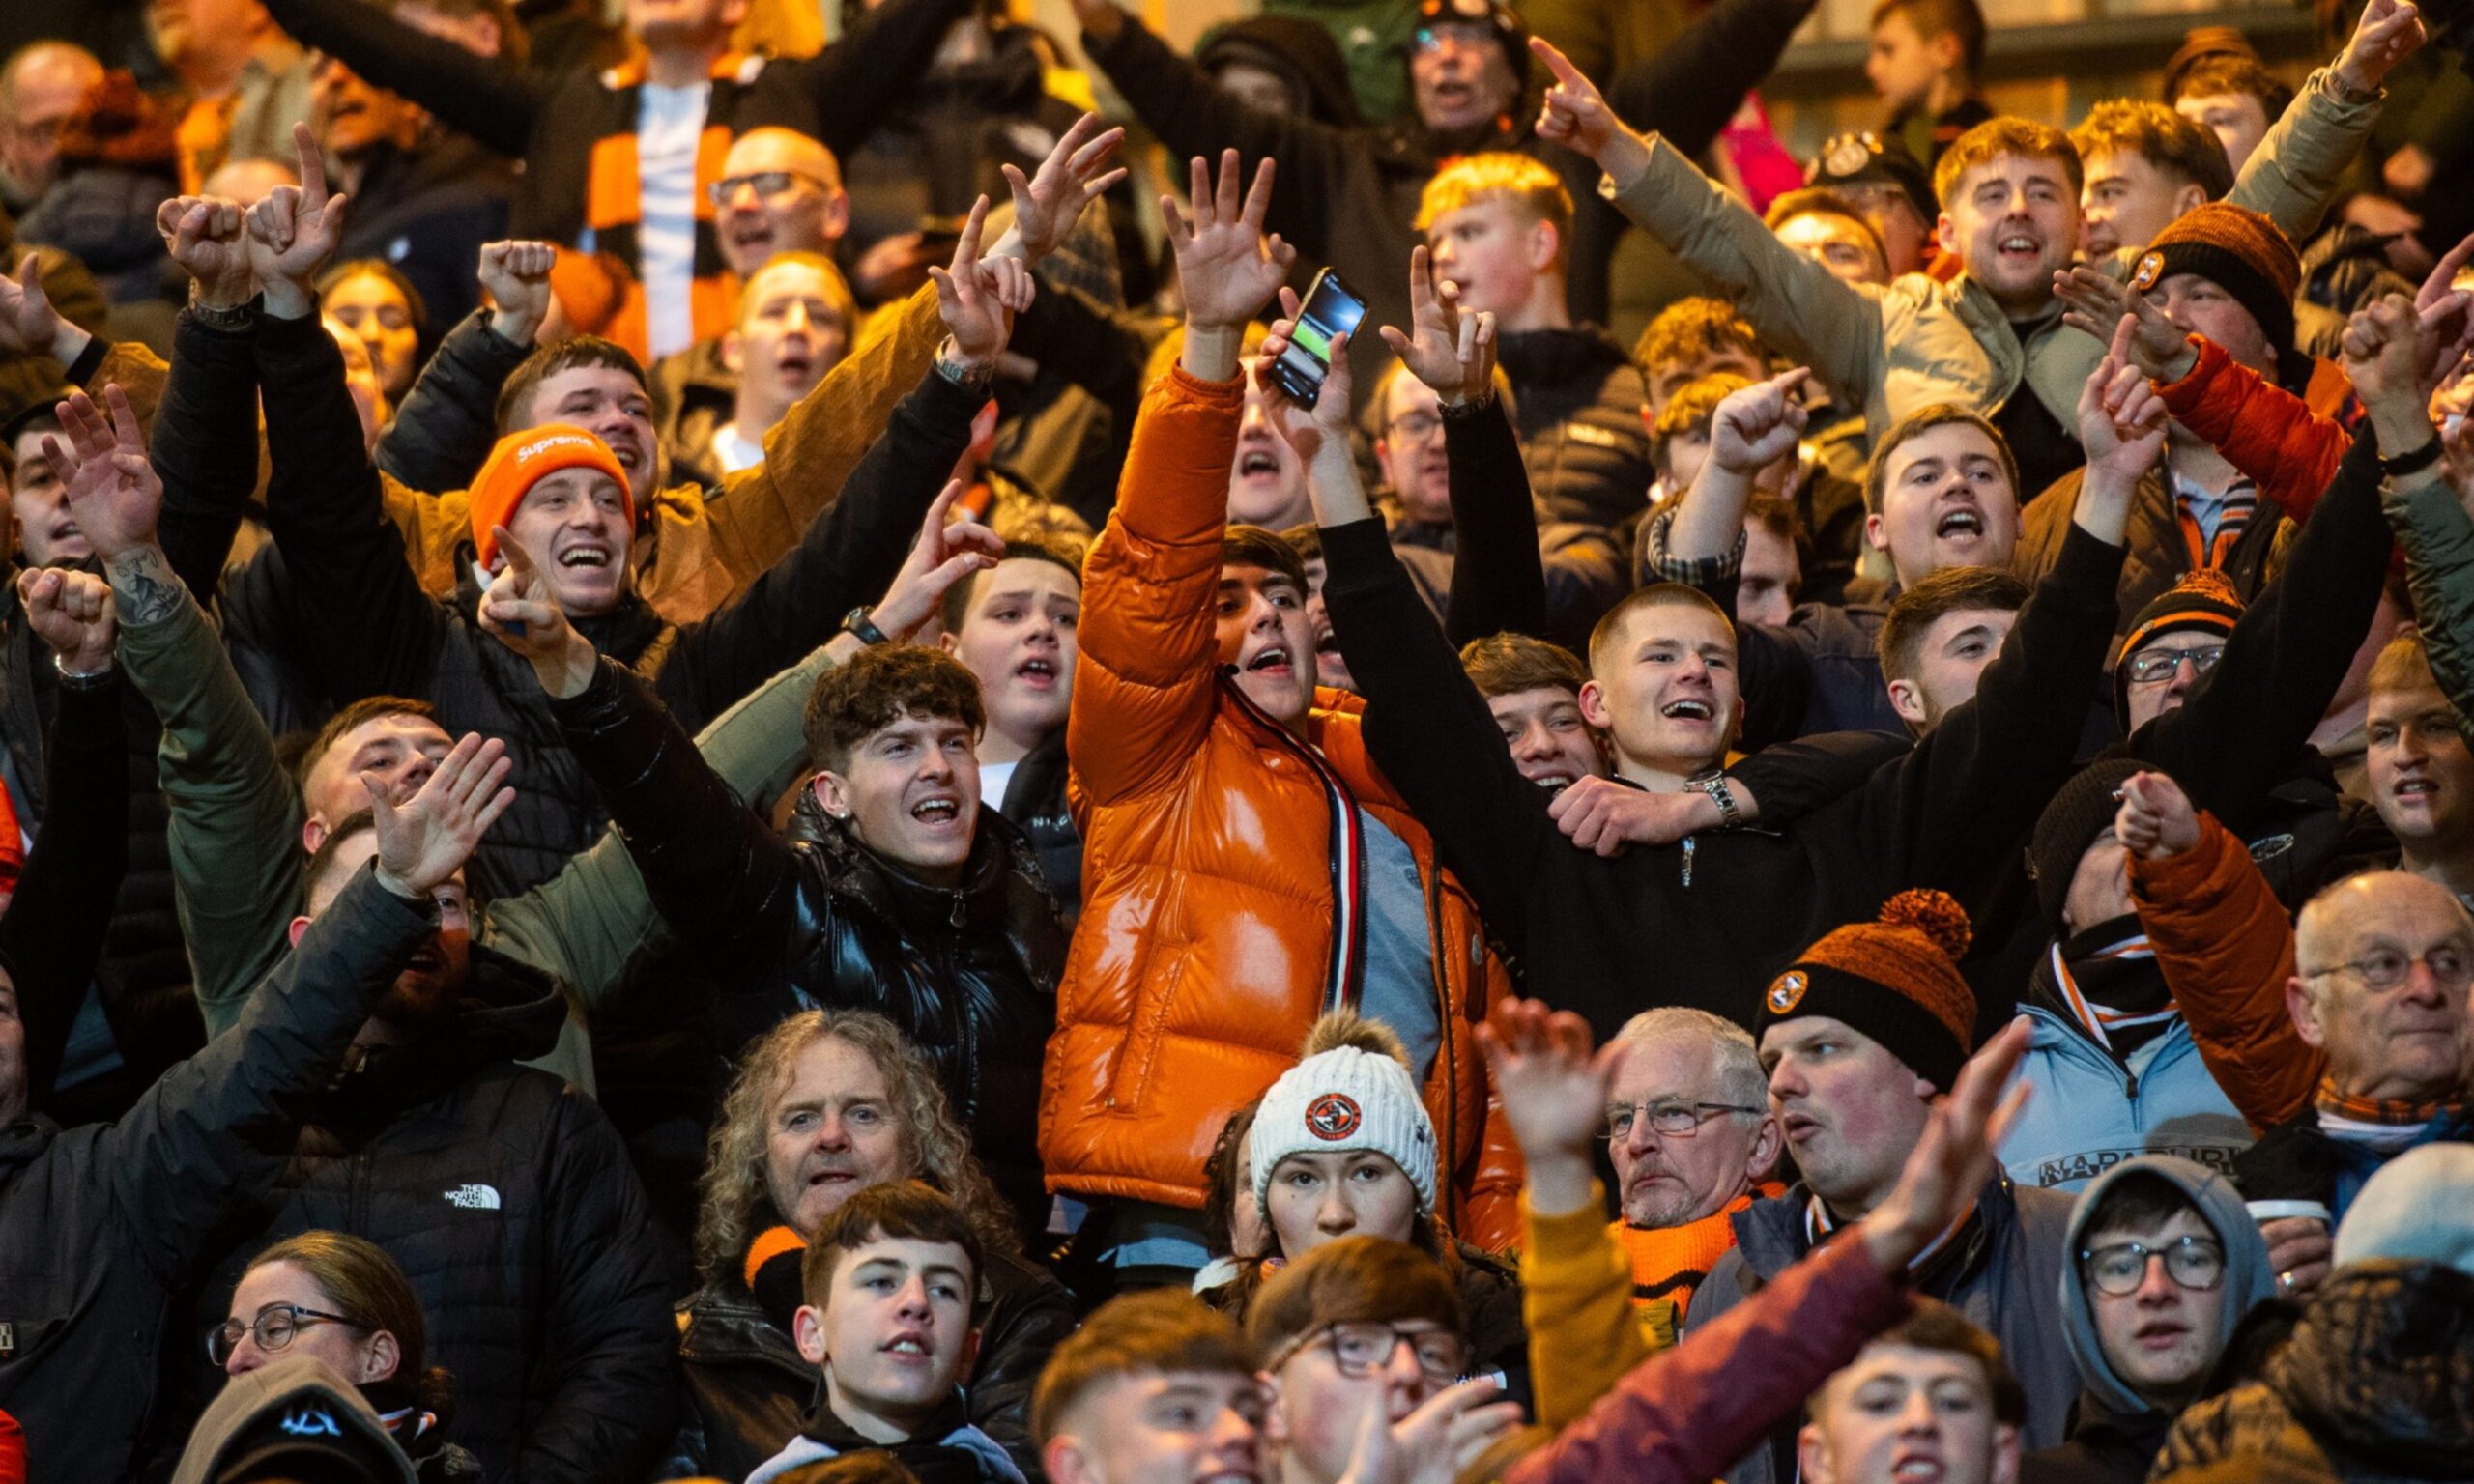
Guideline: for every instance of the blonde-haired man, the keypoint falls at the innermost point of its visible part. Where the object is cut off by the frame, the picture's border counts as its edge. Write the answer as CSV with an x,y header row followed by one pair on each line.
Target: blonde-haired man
x,y
1498,228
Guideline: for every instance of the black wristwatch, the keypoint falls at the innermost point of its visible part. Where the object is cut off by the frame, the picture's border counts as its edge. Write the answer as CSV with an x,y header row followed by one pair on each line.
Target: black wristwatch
x,y
240,316
2413,462
860,627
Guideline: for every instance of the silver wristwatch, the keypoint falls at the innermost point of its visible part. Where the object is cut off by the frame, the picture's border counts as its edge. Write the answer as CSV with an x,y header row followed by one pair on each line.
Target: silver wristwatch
x,y
1715,787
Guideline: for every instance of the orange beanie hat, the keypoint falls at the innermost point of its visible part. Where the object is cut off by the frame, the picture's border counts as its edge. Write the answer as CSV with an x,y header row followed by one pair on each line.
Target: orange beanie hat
x,y
519,461
1895,980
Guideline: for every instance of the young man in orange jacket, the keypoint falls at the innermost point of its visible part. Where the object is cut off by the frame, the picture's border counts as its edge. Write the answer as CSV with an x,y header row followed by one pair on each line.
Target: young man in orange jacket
x,y
1246,868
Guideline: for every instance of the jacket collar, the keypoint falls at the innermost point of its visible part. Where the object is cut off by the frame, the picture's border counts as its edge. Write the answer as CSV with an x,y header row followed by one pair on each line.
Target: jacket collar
x,y
510,1011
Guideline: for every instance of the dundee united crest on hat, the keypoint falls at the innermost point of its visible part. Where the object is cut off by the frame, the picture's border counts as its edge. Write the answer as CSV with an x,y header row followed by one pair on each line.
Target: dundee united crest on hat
x,y
1786,992
1332,1116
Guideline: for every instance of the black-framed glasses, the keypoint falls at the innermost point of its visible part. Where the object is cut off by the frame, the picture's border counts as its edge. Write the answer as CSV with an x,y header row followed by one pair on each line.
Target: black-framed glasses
x,y
274,1330
1414,427
2120,1268
2386,968
1361,1347
2150,666
1670,1118
768,184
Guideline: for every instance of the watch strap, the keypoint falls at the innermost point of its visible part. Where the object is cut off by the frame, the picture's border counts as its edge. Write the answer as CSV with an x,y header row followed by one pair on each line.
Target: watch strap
x,y
859,626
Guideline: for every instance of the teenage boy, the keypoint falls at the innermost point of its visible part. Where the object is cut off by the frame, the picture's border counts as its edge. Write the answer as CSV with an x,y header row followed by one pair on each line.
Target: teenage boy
x,y
888,1281
1498,229
1859,1036
1933,1393
2009,192
1727,906
1155,1388
2420,770
2160,1263
1203,942
1534,689
1922,58
629,162
795,320
1014,626
2146,167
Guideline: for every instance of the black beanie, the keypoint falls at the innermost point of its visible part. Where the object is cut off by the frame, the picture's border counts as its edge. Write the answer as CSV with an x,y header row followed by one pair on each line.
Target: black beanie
x,y
1299,50
2203,600
2083,808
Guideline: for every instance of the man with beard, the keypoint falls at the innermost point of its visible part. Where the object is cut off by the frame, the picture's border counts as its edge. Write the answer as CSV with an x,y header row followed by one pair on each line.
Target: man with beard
x,y
2009,190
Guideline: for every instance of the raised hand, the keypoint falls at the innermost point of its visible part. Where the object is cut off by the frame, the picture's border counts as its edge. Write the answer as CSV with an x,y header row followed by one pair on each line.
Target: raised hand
x,y
944,554
971,296
2121,421
114,494
1048,202
1955,1156
1452,352
1759,426
28,323
2156,819
2096,302
423,841
520,608
1324,425
2386,353
1575,114
1433,1444
516,276
72,611
1226,267
293,232
1555,1093
2388,33
208,236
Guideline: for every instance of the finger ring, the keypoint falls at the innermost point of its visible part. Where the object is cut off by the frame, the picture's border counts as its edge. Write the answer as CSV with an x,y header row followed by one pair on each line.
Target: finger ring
x,y
2285,1281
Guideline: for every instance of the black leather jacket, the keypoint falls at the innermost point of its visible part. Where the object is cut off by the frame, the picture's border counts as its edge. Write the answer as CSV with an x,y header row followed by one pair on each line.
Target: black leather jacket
x,y
746,1387
970,972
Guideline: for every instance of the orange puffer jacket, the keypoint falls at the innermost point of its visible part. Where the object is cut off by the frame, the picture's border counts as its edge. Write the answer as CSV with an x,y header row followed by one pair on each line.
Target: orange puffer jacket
x,y
2287,447
1203,952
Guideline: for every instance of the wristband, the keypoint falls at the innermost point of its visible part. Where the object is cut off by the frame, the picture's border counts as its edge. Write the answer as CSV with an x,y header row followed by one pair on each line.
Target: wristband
x,y
80,679
239,317
2413,462
859,626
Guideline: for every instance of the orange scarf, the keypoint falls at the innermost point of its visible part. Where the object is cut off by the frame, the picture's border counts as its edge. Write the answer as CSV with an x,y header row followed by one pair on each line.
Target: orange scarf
x,y
1669,1261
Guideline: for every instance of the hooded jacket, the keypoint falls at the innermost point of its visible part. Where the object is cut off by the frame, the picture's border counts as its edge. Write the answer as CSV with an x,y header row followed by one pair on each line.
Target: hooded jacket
x,y
2003,1271
369,628
509,1201
2119,1430
745,1385
2373,1387
969,973
1207,944
100,1225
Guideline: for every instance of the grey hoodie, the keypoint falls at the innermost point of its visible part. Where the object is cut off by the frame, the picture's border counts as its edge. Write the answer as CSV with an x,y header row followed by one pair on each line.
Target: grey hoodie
x,y
2248,1278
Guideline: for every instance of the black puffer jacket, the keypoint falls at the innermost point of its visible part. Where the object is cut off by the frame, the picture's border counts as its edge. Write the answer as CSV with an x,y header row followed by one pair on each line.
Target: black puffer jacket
x,y
1035,802
2377,1384
367,628
1579,399
969,973
143,975
99,1224
508,1199
746,1387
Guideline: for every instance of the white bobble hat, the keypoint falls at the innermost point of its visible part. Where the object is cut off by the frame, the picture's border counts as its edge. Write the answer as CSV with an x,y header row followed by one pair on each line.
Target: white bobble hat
x,y
1351,1092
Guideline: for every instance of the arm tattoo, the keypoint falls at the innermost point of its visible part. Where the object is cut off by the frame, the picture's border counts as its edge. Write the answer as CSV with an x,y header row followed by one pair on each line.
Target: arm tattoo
x,y
146,588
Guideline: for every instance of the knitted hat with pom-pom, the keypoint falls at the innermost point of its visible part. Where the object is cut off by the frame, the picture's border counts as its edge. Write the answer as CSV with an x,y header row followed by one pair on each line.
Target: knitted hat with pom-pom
x,y
1350,1090
1894,979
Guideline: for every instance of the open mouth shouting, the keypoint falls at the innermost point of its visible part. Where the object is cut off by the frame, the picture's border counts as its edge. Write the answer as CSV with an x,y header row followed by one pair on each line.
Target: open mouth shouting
x,y
1271,660
1257,464
2015,247
1962,524
909,1345
940,812
1688,710
1913,1466
1039,671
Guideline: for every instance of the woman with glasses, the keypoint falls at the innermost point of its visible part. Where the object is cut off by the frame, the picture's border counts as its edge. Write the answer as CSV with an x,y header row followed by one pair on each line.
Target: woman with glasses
x,y
344,1301
1342,1146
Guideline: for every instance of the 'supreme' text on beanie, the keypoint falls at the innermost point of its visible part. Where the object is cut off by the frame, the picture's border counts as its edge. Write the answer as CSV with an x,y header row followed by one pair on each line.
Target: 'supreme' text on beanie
x,y
1894,979
1351,1090
522,460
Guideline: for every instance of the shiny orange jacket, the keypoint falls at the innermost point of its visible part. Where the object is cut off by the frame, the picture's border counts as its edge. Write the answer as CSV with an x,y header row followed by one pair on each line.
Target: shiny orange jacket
x,y
1202,954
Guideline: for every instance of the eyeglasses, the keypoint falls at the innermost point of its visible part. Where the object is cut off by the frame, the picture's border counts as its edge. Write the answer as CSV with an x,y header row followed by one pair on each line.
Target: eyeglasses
x,y
1361,1347
1414,427
2386,968
274,1328
2191,1262
1670,1118
768,184
1464,34
2150,666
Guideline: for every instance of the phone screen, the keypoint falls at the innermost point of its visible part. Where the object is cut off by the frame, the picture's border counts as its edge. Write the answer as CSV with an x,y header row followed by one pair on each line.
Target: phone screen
x,y
1330,309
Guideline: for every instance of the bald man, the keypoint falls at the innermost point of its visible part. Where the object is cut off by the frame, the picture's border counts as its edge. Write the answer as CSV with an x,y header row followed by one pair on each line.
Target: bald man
x,y
41,88
780,192
2384,961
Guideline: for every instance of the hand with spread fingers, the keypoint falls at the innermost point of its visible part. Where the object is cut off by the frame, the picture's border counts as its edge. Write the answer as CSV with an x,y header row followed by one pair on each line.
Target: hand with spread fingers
x,y
293,232
1955,1158
1554,1090
423,841
520,608
1052,199
1227,265
114,494
2096,303
1449,350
